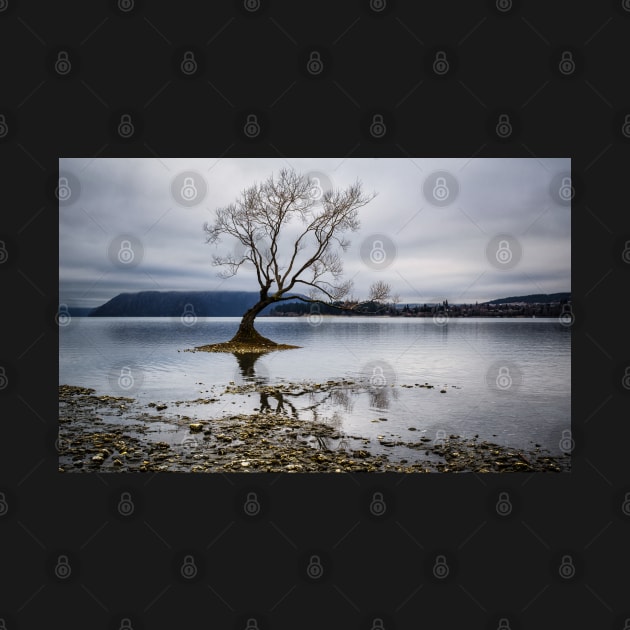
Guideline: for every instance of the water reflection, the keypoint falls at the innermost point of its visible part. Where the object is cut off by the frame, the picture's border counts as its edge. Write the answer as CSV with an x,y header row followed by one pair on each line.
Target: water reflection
x,y
381,397
246,363
281,398
326,405
308,405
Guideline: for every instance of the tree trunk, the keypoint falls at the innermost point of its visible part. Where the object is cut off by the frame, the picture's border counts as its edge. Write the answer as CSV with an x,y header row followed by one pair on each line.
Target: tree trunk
x,y
246,332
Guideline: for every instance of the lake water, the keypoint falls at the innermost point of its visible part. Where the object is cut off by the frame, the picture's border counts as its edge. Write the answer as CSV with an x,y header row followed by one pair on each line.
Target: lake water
x,y
506,380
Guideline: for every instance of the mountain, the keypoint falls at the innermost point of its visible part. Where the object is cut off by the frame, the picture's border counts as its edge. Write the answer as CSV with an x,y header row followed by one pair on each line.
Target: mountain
x,y
224,303
177,303
78,311
536,298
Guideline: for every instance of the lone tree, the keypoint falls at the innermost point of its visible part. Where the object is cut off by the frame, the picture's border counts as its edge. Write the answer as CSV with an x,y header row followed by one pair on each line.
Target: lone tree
x,y
310,260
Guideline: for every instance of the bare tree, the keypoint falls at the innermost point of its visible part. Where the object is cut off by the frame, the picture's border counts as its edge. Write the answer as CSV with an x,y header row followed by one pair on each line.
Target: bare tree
x,y
310,263
379,291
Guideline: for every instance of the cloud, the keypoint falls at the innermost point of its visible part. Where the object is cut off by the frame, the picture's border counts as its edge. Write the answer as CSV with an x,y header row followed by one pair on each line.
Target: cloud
x,y
440,249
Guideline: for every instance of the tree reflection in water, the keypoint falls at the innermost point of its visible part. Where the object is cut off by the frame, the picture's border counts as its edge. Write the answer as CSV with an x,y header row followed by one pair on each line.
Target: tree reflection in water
x,y
246,362
380,397
280,402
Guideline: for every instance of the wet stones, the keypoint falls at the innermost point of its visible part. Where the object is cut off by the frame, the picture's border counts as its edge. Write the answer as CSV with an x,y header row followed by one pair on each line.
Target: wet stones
x,y
267,441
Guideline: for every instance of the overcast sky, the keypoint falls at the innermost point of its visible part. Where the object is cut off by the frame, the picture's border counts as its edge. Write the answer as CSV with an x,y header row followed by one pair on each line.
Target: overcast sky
x,y
458,229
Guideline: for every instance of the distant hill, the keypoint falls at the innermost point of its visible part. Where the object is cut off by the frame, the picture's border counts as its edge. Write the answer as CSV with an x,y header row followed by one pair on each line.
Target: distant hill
x,y
175,303
224,303
540,298
79,311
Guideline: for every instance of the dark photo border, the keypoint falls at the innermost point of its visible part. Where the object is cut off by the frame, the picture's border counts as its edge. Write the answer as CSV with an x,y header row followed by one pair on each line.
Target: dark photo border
x,y
440,79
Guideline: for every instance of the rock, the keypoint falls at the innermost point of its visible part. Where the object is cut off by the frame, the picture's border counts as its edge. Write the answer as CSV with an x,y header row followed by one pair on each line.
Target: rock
x,y
195,427
442,391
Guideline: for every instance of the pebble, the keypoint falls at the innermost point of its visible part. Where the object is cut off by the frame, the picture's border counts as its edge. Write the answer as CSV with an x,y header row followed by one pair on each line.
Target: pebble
x,y
257,444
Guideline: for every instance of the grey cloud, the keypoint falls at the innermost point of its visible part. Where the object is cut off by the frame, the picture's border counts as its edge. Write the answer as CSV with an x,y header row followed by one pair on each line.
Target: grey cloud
x,y
440,250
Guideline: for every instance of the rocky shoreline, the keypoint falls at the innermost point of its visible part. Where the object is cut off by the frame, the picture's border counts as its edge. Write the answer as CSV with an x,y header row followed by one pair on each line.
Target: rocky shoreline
x,y
110,434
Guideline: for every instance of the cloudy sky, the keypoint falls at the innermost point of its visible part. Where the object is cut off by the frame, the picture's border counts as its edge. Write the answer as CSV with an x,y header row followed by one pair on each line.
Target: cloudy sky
x,y
460,229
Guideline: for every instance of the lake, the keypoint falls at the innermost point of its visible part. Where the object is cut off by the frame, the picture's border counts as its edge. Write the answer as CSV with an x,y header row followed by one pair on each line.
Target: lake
x,y
506,380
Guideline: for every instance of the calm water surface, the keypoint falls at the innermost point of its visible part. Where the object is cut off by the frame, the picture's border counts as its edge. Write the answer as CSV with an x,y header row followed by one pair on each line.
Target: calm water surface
x,y
507,380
